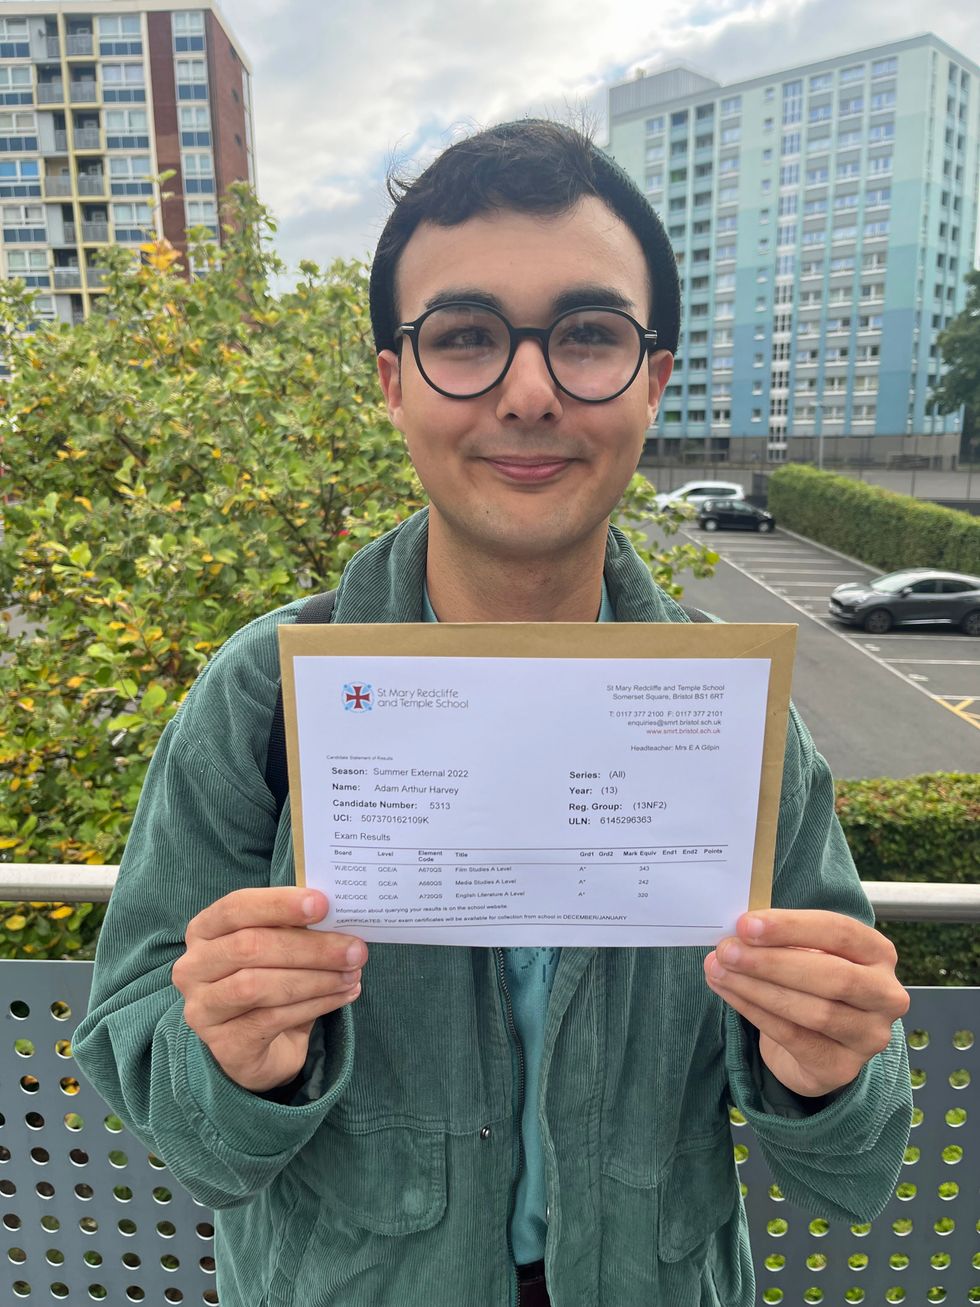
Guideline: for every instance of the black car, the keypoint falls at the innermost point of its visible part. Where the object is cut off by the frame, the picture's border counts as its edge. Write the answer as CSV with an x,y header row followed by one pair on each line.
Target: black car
x,y
916,594
733,515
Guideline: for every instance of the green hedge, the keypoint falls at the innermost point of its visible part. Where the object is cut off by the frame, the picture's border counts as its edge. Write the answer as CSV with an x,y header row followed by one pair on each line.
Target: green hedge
x,y
878,526
923,828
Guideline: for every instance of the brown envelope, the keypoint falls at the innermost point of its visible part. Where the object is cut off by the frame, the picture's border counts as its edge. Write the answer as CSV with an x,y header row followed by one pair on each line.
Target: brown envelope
x,y
606,640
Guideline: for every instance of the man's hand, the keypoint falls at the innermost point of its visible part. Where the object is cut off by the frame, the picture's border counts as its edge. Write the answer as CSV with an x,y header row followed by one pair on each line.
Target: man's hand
x,y
254,980
819,987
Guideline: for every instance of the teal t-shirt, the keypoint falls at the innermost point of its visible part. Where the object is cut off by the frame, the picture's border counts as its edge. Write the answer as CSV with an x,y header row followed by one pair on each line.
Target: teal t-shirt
x,y
530,974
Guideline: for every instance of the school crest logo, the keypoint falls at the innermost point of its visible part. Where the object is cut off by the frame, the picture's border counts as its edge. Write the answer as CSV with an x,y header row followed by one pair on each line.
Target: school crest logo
x,y
358,698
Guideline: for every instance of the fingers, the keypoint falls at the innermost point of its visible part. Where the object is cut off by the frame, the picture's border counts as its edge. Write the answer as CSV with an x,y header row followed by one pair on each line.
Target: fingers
x,y
830,932
803,1016
285,905
823,975
266,946
264,988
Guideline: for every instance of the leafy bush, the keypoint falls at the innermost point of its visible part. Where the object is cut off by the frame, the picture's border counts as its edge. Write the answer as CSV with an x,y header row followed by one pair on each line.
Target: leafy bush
x,y
877,526
198,452
923,828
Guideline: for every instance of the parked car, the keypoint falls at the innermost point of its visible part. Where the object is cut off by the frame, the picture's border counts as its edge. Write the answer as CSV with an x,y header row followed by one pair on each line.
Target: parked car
x,y
696,492
917,594
733,515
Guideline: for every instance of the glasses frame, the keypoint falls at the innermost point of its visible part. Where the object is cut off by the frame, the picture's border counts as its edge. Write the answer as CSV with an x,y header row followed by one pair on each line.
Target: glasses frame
x,y
646,343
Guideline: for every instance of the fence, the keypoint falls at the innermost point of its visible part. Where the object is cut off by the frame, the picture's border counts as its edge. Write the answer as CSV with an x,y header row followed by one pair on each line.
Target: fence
x,y
89,1216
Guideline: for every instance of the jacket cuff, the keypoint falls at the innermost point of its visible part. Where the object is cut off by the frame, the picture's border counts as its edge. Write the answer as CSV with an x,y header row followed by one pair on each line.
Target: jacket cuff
x,y
254,1125
784,1117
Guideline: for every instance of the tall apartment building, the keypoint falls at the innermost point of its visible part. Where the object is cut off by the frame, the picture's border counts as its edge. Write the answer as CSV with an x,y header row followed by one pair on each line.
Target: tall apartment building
x,y
96,99
823,218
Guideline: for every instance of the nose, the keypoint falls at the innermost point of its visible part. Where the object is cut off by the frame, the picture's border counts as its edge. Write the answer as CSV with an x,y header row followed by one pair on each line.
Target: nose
x,y
527,392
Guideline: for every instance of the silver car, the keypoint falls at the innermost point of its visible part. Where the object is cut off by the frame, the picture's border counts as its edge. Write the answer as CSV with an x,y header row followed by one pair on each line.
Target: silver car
x,y
911,596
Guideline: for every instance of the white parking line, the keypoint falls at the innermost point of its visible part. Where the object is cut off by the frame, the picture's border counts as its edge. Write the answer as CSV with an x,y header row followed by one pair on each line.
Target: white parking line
x,y
894,636
938,662
803,571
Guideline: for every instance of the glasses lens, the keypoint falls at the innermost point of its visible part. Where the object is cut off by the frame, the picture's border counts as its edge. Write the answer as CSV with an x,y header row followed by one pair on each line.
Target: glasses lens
x,y
594,352
463,349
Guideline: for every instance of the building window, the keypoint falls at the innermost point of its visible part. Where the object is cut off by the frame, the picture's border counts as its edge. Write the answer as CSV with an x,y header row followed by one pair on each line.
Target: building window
x,y
732,104
652,124
853,74
18,133
120,34
14,39
188,30
791,143
129,174
16,84
20,179
679,118
122,83
821,81
23,224
132,222
127,129
884,67
192,79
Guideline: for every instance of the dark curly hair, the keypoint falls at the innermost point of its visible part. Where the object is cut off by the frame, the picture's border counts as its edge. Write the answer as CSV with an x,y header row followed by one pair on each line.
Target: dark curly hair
x,y
532,166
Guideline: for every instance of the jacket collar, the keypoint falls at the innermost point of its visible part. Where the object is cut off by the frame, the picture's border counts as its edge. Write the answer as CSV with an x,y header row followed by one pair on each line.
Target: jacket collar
x,y
384,581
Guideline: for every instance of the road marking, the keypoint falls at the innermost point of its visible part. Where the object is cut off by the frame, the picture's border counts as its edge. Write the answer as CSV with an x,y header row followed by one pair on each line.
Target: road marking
x,y
938,662
962,709
854,644
944,636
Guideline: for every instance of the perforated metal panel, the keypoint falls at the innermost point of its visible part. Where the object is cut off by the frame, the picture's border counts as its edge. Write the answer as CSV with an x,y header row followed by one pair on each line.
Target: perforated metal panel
x,y
925,1247
87,1216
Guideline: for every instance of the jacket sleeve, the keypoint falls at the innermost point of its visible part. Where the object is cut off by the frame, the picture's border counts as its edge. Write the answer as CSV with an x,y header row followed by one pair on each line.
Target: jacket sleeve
x,y
199,833
843,1160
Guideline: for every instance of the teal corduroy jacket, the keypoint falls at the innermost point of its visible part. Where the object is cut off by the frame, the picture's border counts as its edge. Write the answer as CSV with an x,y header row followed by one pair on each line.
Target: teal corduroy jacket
x,y
387,1179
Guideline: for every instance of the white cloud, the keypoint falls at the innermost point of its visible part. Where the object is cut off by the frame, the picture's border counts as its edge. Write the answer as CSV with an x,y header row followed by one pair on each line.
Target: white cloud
x,y
339,89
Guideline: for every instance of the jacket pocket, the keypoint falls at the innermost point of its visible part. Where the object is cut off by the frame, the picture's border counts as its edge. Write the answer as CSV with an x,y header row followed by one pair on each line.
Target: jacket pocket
x,y
698,1194
390,1181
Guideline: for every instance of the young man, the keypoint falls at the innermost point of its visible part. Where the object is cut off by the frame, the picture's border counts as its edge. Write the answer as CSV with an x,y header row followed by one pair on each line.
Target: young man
x,y
483,1126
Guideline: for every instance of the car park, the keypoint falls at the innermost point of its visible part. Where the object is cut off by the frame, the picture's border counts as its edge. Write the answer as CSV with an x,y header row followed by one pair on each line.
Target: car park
x,y
696,492
912,596
734,515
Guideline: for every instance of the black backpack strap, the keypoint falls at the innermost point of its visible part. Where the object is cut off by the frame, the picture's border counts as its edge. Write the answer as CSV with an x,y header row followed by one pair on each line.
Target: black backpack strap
x,y
317,609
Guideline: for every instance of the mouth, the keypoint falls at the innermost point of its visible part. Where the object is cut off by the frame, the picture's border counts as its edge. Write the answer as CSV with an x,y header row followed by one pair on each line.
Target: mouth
x,y
528,468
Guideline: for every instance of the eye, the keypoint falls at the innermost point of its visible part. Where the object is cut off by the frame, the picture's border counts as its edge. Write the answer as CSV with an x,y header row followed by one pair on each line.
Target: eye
x,y
470,337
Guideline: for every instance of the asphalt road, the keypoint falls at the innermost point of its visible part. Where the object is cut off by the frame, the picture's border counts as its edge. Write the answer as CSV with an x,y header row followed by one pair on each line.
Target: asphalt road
x,y
887,705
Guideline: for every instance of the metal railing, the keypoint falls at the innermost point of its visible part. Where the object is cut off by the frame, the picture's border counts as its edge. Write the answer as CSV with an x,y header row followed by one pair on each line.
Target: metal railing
x,y
920,1250
54,186
83,92
91,183
50,93
892,900
80,43
87,138
67,278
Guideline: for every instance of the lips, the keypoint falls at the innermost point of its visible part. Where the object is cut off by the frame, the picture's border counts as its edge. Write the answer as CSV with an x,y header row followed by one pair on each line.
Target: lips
x,y
528,469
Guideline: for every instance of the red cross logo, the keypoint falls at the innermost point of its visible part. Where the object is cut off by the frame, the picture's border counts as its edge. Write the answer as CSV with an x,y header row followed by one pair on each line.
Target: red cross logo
x,y
357,698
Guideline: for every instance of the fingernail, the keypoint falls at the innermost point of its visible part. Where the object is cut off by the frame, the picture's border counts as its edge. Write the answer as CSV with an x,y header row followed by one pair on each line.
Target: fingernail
x,y
754,926
355,954
354,993
312,906
350,978
732,953
718,972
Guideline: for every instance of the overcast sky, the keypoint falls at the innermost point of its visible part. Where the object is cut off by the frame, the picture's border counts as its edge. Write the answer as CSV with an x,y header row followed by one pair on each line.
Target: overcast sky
x,y
343,88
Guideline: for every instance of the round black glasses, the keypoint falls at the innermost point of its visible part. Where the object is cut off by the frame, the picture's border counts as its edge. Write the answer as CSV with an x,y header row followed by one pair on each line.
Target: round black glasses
x,y
463,349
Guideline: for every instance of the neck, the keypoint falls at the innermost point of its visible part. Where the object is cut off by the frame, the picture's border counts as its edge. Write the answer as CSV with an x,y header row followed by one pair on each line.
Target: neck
x,y
473,586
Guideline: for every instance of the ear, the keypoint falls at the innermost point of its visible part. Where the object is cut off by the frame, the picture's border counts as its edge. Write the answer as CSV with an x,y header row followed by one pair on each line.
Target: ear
x,y
660,365
390,376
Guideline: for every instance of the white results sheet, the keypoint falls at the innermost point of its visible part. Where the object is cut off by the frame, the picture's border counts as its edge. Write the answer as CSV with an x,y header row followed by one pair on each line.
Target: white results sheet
x,y
530,800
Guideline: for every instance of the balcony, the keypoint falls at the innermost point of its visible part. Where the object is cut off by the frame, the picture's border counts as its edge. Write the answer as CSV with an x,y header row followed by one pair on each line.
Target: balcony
x,y
55,186
91,183
96,278
44,1001
88,138
60,142
67,278
50,93
52,47
84,92
92,232
80,43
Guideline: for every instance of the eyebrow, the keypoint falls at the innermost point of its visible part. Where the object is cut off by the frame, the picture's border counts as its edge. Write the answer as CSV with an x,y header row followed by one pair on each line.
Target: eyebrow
x,y
575,297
